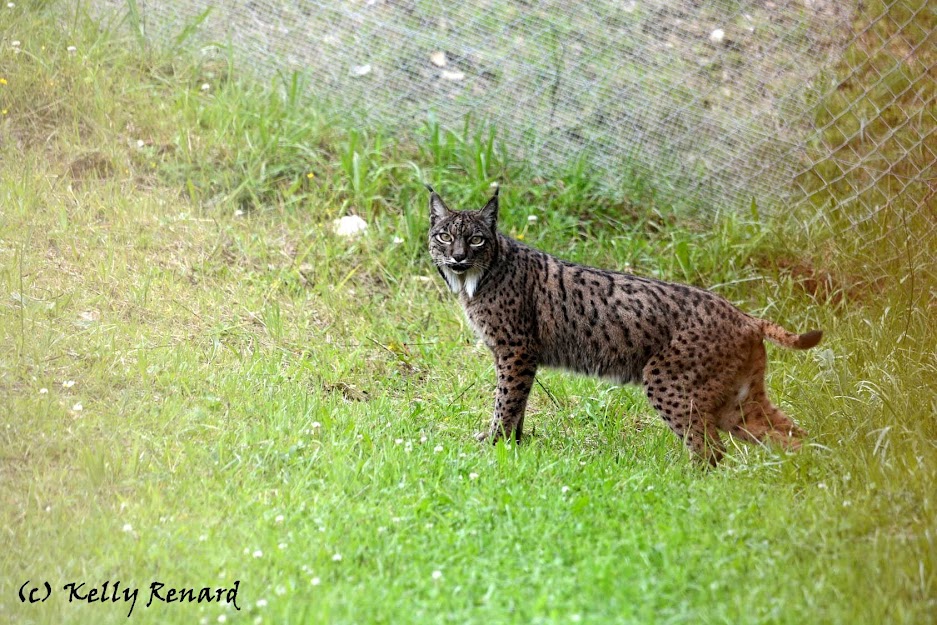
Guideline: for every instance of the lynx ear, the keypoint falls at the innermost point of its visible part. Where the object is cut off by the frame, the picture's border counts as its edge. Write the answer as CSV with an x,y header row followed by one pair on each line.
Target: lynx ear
x,y
489,214
437,208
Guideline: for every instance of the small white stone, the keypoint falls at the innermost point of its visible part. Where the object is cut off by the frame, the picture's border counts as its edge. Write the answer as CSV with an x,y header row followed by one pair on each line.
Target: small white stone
x,y
532,218
360,70
438,58
717,35
349,226
453,75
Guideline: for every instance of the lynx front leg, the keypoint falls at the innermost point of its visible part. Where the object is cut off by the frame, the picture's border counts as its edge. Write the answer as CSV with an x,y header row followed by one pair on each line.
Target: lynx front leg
x,y
516,371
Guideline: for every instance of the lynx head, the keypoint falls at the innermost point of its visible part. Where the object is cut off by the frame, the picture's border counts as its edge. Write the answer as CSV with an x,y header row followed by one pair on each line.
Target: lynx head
x,y
463,244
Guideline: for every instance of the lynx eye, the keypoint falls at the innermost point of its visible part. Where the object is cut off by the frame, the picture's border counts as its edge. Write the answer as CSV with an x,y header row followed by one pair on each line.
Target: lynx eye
x,y
476,241
444,237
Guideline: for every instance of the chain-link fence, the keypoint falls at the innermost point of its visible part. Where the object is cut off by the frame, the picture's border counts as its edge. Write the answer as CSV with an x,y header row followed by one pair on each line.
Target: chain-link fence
x,y
790,101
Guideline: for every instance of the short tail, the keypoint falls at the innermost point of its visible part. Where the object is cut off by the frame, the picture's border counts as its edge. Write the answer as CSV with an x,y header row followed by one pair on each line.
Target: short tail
x,y
776,334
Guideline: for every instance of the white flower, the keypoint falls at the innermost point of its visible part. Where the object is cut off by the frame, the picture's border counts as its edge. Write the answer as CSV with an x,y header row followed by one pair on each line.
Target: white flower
x,y
258,554
437,449
397,240
71,49
473,476
423,439
565,489
43,391
282,546
205,86
15,43
349,226
222,618
315,424
315,581
261,603
11,5
717,35
398,441
278,519
452,75
437,574
127,528
337,557
78,407
531,218
68,383
360,70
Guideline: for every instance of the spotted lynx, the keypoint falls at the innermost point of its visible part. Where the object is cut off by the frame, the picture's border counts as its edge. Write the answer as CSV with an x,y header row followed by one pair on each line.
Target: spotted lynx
x,y
700,359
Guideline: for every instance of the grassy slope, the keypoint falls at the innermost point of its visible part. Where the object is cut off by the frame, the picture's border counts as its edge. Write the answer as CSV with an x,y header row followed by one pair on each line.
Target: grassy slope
x,y
231,369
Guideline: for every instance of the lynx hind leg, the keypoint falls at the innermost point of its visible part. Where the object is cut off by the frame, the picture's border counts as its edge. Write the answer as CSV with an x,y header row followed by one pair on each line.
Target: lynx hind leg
x,y
688,417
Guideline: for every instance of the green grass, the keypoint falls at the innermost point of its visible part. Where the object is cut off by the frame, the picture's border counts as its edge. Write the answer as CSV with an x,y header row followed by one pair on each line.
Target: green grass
x,y
201,384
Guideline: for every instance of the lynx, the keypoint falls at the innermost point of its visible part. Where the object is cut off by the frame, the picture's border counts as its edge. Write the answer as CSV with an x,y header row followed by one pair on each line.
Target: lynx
x,y
701,360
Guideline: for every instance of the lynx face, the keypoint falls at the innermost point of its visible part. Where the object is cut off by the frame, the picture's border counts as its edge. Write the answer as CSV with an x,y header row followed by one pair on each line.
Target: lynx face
x,y
463,244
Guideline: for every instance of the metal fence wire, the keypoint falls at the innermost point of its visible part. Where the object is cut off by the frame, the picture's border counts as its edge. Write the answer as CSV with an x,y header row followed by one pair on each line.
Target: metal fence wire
x,y
789,101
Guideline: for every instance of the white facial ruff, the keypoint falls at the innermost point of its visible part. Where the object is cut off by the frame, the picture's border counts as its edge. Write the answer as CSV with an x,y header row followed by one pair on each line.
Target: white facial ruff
x,y
467,281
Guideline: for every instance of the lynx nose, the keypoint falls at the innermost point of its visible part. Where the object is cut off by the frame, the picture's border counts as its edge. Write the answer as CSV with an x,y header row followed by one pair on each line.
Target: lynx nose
x,y
458,253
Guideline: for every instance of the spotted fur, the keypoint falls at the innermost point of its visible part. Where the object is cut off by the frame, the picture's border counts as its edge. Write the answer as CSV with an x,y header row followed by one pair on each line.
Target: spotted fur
x,y
701,360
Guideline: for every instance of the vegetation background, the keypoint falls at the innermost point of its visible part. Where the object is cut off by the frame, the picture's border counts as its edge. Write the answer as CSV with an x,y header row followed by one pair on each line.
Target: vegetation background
x,y
202,383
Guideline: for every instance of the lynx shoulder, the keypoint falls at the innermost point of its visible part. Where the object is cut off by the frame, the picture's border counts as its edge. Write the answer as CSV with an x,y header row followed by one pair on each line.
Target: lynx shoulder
x,y
700,359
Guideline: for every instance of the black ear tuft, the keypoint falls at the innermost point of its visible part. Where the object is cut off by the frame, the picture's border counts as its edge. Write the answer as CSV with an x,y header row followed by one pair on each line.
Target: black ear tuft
x,y
428,188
